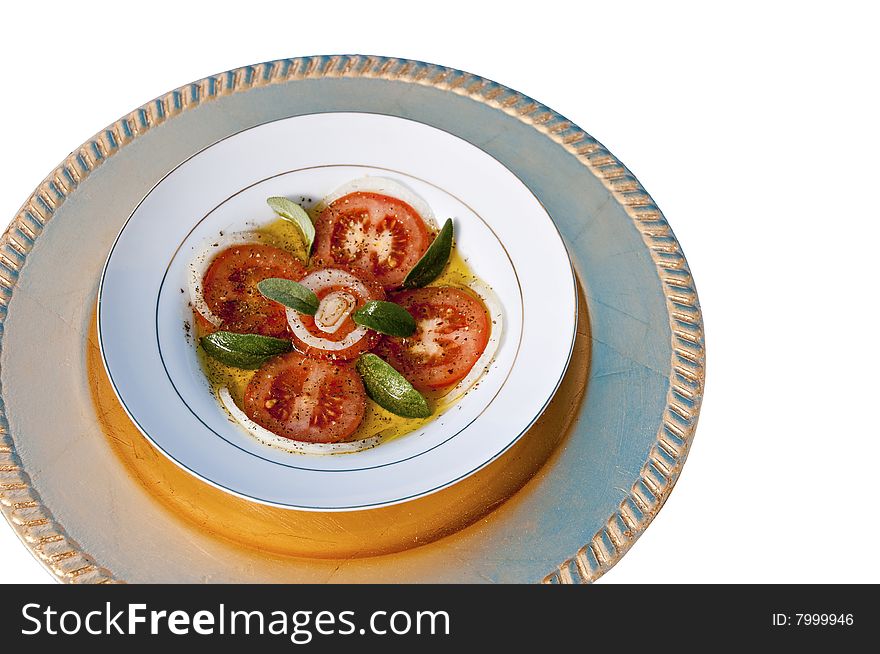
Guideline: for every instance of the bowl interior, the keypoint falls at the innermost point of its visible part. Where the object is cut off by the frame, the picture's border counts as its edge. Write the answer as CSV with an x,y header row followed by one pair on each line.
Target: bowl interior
x,y
246,210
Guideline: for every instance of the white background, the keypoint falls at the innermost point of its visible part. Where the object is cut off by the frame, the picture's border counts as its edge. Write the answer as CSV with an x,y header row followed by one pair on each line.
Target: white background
x,y
756,131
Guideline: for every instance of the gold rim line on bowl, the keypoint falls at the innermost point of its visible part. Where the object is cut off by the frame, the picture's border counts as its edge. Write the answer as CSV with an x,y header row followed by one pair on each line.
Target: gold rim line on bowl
x,y
48,541
344,534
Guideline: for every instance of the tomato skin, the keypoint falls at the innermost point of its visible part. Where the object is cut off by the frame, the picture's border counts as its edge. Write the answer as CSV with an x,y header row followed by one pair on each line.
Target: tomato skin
x,y
306,399
203,326
452,330
230,288
365,344
378,234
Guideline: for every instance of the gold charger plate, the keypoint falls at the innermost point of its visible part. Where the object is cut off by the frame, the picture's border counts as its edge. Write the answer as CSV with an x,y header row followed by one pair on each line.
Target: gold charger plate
x,y
94,502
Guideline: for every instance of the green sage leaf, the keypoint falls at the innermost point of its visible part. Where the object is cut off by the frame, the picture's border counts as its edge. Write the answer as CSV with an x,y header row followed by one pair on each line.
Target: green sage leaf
x,y
385,318
291,211
247,351
389,389
289,293
433,261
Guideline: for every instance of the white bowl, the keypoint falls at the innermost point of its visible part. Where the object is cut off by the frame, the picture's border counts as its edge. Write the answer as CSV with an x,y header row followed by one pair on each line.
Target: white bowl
x,y
501,229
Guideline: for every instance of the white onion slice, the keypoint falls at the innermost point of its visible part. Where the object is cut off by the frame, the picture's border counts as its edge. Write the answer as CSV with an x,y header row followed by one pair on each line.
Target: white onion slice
x,y
200,263
272,439
383,186
493,306
318,281
335,307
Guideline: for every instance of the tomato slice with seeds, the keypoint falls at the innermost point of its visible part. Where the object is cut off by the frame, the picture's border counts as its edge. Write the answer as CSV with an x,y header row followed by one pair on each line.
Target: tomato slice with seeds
x,y
306,399
230,288
331,333
375,233
452,330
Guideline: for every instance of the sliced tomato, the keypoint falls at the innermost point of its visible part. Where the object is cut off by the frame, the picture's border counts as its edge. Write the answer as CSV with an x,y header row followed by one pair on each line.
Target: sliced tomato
x,y
331,333
230,288
375,233
204,326
306,399
452,330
